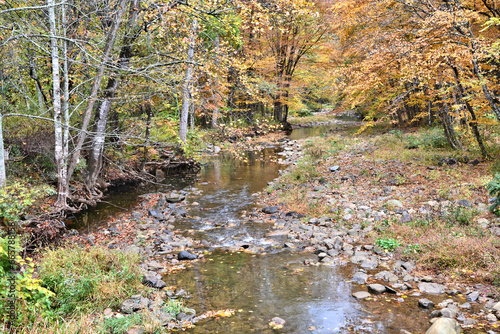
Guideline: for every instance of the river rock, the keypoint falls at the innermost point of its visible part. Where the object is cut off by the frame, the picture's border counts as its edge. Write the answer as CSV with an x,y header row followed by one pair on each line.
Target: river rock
x,y
153,281
277,323
444,326
394,203
133,249
431,288
465,306
277,233
496,309
163,317
184,316
270,210
491,317
359,278
185,255
470,322
448,312
464,202
361,295
425,303
473,296
358,259
107,312
483,223
376,288
387,276
134,303
406,218
453,292
369,264
175,198
390,290
154,265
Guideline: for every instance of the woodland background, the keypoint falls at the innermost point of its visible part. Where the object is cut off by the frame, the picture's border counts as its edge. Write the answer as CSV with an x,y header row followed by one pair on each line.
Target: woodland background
x,y
90,84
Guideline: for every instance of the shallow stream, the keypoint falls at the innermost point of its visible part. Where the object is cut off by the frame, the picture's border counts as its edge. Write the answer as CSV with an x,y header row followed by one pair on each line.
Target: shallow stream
x,y
274,283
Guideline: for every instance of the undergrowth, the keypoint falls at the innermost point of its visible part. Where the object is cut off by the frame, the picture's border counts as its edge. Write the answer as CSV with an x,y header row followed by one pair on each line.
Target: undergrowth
x,y
89,279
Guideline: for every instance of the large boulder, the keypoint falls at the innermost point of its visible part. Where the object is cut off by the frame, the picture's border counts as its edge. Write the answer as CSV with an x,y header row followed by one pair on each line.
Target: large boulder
x,y
444,326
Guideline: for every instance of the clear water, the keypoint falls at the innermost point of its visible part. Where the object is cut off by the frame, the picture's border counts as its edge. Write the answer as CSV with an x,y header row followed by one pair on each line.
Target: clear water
x,y
312,299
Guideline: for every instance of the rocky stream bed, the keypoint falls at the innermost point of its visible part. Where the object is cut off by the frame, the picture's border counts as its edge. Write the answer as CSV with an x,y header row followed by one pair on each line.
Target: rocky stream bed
x,y
266,268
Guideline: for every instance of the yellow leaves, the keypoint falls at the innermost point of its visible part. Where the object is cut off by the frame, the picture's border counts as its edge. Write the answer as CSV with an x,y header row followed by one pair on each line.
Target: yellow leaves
x,y
220,313
277,323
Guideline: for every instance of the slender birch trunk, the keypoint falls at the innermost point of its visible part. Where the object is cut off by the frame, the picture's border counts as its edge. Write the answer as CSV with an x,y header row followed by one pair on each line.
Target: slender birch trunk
x,y
3,177
186,89
61,159
95,161
87,114
215,115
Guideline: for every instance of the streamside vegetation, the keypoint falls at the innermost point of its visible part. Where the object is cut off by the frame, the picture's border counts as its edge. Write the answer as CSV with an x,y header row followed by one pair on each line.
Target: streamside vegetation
x,y
96,93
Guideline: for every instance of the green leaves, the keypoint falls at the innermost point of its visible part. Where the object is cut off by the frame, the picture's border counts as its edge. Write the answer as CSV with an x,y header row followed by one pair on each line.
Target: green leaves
x,y
388,244
493,188
32,299
17,197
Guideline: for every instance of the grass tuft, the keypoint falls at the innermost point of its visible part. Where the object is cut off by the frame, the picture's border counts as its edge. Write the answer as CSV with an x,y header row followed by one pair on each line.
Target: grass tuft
x,y
86,280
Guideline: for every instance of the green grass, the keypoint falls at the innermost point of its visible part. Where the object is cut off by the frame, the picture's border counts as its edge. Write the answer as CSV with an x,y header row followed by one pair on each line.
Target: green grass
x,y
88,280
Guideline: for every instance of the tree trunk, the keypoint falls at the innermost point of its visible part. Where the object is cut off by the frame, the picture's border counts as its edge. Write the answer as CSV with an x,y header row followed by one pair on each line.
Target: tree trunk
x,y
429,110
61,159
95,161
473,121
42,98
449,131
3,177
215,115
87,114
186,88
149,113
96,154
486,91
479,75
278,105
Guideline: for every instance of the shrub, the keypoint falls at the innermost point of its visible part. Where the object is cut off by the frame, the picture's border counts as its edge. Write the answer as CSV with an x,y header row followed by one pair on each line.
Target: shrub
x,y
460,215
303,113
17,197
493,188
433,138
32,300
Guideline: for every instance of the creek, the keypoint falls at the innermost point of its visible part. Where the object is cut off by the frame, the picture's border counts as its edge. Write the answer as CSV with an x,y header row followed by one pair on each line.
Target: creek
x,y
275,282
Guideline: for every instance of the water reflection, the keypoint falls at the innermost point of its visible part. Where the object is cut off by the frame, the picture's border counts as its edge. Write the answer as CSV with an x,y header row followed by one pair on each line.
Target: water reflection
x,y
310,299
